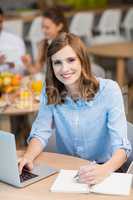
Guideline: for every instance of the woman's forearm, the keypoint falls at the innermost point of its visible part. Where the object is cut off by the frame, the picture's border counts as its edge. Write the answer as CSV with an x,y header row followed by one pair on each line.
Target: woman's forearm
x,y
35,147
116,161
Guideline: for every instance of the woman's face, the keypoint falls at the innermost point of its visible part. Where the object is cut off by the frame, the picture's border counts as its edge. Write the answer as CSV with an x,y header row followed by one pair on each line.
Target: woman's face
x,y
50,29
67,67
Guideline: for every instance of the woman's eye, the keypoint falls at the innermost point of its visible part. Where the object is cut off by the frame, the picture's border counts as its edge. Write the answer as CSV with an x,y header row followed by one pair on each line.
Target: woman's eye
x,y
70,60
57,62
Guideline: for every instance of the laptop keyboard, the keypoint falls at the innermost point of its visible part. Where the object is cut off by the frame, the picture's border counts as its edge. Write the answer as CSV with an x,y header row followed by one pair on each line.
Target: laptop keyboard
x,y
26,175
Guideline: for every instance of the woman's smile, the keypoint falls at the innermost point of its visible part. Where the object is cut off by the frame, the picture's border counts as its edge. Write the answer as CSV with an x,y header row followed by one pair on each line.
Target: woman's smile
x,y
67,75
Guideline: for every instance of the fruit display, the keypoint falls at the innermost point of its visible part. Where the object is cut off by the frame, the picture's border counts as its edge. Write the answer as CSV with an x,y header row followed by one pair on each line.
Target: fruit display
x,y
9,82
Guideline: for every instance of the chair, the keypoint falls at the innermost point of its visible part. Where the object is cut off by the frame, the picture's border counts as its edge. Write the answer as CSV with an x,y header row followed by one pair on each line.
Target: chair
x,y
103,39
35,35
82,24
14,26
130,137
109,22
127,23
97,70
124,91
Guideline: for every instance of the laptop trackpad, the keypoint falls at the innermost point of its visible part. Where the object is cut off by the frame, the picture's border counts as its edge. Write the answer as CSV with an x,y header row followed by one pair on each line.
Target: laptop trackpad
x,y
43,170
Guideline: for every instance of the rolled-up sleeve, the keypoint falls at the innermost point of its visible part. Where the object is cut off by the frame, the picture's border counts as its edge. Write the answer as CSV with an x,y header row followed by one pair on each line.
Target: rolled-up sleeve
x,y
117,123
42,126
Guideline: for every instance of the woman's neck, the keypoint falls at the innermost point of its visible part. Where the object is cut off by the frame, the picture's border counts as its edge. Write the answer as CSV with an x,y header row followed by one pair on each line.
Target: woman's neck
x,y
73,92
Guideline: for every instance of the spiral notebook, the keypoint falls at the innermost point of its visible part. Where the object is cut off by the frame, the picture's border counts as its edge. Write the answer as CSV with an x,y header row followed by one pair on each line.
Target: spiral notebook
x,y
115,184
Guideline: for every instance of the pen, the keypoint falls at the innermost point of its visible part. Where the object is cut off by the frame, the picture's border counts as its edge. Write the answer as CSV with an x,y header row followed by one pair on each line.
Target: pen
x,y
76,177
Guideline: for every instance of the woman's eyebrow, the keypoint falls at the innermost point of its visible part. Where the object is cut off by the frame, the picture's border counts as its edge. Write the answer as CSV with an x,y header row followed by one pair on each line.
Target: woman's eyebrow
x,y
57,60
60,59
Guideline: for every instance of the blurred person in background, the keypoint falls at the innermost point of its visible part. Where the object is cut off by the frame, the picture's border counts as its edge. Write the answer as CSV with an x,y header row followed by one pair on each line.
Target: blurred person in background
x,y
12,48
53,23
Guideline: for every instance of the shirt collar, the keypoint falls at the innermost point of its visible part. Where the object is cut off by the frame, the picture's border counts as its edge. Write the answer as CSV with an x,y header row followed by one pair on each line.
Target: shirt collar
x,y
82,102
79,102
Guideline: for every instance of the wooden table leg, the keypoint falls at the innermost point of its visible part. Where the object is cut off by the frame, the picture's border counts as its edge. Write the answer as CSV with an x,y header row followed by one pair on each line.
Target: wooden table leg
x,y
120,71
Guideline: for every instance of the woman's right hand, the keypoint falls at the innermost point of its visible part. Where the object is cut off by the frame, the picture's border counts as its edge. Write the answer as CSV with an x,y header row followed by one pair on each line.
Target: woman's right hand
x,y
24,162
27,60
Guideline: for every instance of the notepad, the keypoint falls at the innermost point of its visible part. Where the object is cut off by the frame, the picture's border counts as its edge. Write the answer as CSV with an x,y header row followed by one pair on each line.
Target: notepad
x,y
115,184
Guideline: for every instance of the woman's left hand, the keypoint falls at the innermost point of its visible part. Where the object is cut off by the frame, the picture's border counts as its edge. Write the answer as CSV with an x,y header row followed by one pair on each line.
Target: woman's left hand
x,y
93,173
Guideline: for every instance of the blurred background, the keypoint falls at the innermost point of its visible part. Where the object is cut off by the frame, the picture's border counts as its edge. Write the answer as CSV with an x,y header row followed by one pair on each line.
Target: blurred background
x,y
97,22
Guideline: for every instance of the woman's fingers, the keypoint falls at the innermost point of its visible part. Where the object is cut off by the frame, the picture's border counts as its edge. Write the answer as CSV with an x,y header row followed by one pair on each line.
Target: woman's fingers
x,y
87,173
30,166
86,169
92,174
21,164
25,163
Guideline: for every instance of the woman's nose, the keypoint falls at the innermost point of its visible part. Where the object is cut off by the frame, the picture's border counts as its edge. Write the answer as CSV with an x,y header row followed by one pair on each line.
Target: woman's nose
x,y
65,67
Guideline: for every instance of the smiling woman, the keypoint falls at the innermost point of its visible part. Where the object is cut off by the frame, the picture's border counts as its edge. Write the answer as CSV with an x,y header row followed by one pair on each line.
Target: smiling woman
x,y
90,124
66,59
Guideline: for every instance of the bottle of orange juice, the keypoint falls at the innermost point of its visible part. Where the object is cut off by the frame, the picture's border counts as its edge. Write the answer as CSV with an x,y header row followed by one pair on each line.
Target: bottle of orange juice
x,y
25,100
36,86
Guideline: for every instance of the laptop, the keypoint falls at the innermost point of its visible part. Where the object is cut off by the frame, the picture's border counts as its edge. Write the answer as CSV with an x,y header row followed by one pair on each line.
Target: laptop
x,y
9,172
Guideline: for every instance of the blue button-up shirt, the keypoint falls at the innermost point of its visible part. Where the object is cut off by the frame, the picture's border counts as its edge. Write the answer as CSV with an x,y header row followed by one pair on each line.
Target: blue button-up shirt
x,y
91,130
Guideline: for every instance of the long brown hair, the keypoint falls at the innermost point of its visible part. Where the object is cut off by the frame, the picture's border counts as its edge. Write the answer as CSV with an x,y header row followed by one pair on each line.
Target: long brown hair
x,y
57,17
55,90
